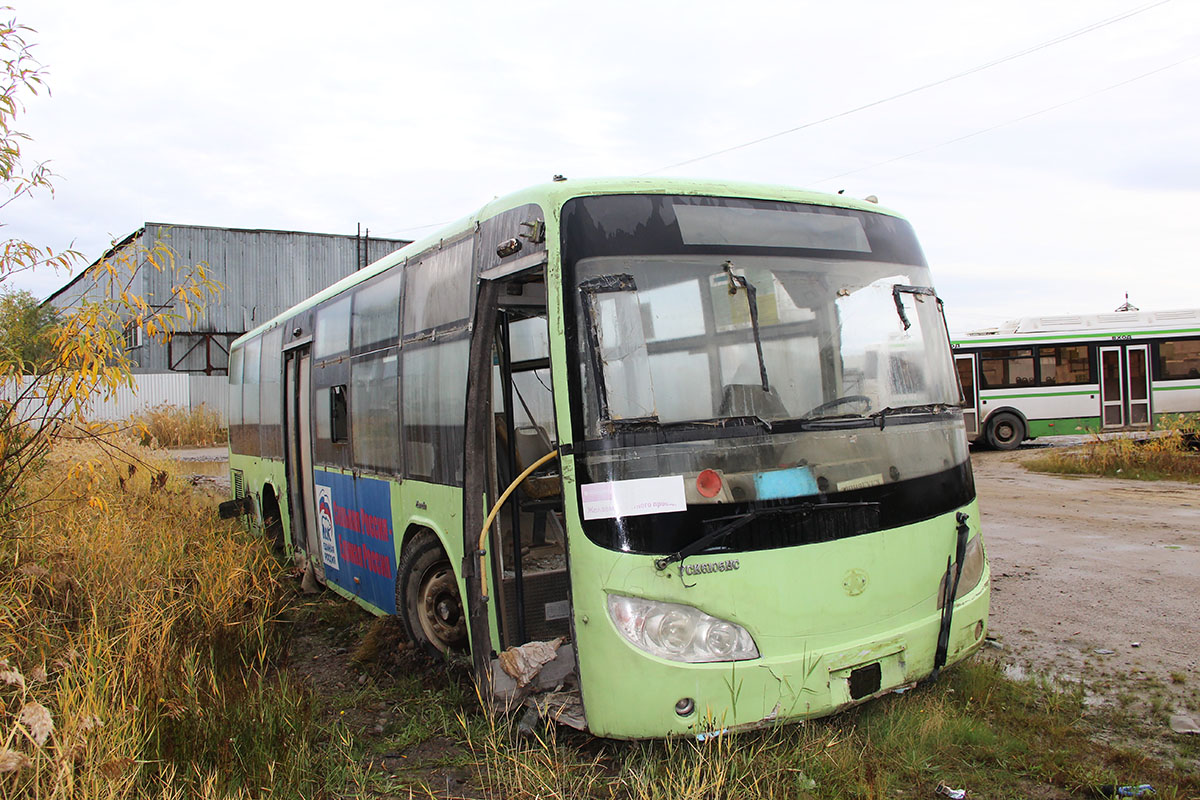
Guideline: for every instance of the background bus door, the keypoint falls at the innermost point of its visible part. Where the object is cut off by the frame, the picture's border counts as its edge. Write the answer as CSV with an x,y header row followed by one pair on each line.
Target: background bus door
x,y
297,427
969,383
1125,386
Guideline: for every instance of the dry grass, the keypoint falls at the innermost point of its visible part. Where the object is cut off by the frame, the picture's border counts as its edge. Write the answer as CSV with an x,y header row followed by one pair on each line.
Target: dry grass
x,y
138,636
172,426
973,729
1167,456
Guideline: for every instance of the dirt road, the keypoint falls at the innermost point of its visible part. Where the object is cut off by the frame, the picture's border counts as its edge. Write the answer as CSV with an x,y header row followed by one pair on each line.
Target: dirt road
x,y
1081,566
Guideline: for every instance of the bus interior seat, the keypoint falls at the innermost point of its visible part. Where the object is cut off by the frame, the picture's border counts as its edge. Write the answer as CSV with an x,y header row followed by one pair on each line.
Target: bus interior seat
x,y
749,400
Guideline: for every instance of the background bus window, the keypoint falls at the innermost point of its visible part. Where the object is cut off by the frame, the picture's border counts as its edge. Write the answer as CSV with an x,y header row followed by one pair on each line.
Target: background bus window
x,y
1001,369
374,410
270,404
250,400
433,409
376,317
1065,365
443,280
1177,360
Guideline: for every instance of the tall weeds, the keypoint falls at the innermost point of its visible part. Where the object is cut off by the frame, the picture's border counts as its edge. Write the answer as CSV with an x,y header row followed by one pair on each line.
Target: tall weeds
x,y
172,426
137,638
1168,455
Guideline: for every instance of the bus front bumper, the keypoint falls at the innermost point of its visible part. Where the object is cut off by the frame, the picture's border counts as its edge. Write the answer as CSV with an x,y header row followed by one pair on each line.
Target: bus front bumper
x,y
643,697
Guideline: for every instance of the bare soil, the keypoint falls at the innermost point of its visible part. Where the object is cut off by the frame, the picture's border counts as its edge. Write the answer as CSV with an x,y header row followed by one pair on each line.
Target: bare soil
x,y
1083,565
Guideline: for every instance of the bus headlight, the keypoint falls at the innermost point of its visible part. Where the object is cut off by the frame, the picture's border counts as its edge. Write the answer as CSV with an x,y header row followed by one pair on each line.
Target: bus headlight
x,y
678,632
973,562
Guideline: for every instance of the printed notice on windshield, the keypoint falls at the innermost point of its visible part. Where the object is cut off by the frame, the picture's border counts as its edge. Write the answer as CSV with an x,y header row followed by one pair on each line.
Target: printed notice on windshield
x,y
633,498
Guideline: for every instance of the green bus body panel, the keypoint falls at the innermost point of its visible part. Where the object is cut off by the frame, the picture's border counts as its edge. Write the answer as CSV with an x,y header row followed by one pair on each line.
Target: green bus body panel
x,y
810,628
1063,427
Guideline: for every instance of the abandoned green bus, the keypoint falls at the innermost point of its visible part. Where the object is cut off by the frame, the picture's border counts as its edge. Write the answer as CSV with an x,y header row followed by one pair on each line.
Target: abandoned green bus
x,y
694,451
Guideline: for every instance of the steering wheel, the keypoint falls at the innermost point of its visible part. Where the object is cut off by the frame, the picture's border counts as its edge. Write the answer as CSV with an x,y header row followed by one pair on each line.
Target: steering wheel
x,y
844,400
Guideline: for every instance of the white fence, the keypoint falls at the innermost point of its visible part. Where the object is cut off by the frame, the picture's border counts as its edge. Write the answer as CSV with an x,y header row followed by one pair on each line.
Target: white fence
x,y
149,390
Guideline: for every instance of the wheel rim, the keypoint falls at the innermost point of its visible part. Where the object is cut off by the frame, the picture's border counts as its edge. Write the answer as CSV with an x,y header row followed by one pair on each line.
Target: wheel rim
x,y
1005,432
439,608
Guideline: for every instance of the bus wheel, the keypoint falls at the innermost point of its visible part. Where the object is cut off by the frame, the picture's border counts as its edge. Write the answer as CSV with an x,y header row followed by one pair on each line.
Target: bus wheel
x,y
1005,431
427,597
273,523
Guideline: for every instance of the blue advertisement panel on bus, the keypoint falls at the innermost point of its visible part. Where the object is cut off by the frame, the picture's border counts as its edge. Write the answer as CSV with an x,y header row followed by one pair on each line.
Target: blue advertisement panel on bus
x,y
354,518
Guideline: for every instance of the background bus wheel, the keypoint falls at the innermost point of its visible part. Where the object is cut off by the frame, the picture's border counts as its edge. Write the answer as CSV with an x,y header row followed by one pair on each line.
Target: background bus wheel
x,y
1005,431
427,597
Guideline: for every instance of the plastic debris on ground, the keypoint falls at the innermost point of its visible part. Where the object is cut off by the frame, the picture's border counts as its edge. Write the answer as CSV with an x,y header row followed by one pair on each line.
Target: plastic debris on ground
x,y
1182,723
524,663
541,676
710,735
1113,790
943,790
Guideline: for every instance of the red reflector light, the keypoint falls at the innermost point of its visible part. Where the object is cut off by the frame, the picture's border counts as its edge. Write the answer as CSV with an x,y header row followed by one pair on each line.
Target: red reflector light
x,y
708,483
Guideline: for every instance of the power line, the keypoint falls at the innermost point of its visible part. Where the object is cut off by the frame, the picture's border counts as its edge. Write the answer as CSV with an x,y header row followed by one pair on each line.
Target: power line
x,y
1013,121
1003,60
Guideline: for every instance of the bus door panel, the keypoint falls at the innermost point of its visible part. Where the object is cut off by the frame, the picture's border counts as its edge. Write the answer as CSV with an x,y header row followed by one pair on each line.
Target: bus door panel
x,y
969,382
1137,371
298,423
1112,381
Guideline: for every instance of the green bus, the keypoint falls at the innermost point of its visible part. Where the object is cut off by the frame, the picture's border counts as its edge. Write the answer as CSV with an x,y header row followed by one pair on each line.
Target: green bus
x,y
1072,374
698,445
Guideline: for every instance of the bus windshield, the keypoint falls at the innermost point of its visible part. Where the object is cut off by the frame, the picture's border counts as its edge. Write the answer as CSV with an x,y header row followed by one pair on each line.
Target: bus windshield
x,y
797,353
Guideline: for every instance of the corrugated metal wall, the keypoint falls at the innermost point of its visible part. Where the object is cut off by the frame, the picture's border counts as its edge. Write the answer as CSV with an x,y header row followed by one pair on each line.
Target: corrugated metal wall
x,y
149,390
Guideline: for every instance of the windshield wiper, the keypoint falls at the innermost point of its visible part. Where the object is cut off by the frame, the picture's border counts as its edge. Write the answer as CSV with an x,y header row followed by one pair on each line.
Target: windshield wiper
x,y
752,301
738,521
891,411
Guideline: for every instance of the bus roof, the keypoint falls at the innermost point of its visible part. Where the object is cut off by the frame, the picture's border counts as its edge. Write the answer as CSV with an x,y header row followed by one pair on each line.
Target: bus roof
x,y
552,196
1085,324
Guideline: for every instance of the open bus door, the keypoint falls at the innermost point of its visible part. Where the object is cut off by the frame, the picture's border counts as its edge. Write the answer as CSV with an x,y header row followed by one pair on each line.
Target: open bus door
x,y
297,427
509,426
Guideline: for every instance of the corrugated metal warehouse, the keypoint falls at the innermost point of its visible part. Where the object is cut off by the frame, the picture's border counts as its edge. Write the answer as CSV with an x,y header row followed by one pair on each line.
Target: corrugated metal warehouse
x,y
264,272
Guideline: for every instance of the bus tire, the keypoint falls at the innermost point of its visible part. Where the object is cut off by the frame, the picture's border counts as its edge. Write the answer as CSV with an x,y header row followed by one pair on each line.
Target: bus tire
x,y
273,522
1005,431
427,597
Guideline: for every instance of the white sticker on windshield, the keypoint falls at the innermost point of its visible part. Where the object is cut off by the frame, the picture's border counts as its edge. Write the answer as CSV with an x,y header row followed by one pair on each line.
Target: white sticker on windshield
x,y
633,498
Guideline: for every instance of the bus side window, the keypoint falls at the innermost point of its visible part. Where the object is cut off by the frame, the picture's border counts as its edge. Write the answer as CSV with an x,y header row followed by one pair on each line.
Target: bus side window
x,y
443,281
374,410
252,352
433,408
339,422
376,318
270,403
235,400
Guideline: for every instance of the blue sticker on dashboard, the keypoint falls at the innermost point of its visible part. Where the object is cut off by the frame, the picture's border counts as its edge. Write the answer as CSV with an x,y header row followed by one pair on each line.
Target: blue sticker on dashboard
x,y
783,483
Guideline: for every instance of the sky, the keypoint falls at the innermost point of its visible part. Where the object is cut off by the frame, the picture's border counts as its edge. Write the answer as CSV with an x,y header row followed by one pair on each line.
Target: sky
x,y
1047,153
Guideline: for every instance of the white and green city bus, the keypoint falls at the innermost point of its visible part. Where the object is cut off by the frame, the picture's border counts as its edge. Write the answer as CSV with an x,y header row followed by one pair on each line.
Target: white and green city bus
x,y
710,434
1063,375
